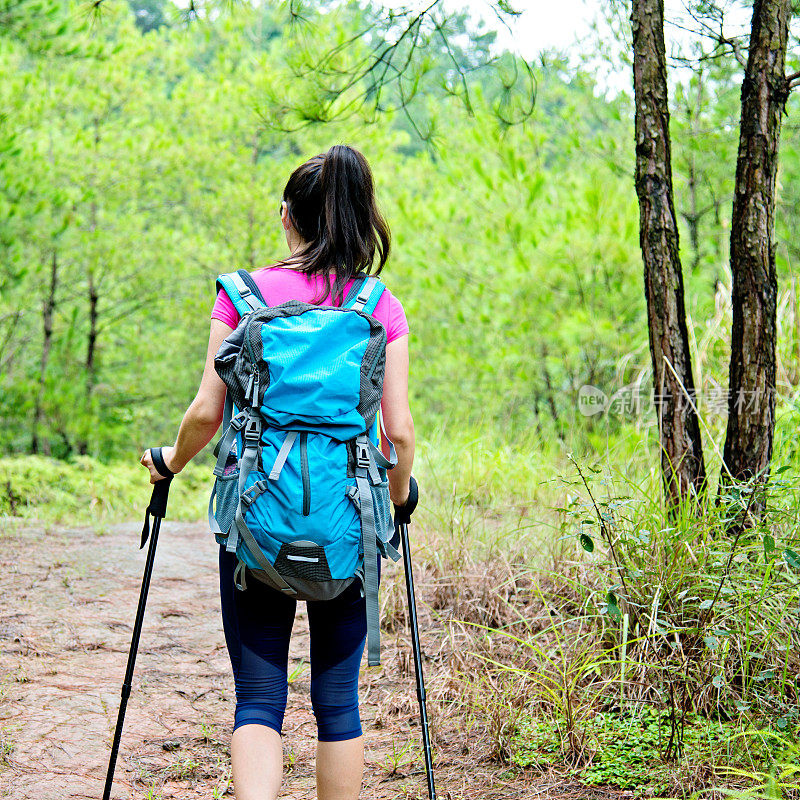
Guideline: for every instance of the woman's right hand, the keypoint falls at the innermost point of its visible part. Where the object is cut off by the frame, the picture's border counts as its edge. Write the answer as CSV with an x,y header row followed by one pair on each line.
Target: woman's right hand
x,y
147,461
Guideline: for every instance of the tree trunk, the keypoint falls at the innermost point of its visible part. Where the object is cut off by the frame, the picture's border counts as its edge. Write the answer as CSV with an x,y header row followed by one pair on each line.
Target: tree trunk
x,y
551,403
90,363
694,215
250,255
682,462
48,306
91,339
751,399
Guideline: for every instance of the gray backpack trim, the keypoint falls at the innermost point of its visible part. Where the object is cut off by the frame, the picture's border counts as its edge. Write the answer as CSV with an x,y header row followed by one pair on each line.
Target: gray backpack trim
x,y
363,295
252,298
226,442
252,545
368,533
283,454
368,458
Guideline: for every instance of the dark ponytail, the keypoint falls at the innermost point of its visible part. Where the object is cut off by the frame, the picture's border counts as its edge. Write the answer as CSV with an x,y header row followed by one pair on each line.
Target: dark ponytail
x,y
331,203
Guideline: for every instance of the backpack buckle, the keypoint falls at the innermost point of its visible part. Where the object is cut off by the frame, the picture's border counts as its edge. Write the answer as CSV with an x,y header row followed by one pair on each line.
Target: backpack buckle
x,y
252,431
362,454
250,495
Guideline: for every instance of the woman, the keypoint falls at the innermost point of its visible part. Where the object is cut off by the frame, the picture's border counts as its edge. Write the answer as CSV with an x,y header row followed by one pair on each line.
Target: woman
x,y
333,229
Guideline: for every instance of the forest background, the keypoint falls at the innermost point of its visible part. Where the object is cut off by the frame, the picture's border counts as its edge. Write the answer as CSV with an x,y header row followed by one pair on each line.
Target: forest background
x,y
144,149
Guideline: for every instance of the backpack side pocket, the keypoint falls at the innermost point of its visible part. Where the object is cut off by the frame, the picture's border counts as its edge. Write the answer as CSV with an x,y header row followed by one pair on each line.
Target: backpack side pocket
x,y
384,526
220,517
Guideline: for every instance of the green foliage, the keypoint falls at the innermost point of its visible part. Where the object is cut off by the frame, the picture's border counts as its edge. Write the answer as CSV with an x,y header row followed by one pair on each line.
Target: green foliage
x,y
662,657
140,156
622,748
143,156
157,162
85,490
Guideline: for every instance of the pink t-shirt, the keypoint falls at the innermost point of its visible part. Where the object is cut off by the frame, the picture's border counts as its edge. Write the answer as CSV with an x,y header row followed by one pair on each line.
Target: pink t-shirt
x,y
279,284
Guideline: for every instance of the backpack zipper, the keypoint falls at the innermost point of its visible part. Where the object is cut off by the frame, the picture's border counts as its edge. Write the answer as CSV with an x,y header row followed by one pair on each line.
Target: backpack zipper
x,y
305,473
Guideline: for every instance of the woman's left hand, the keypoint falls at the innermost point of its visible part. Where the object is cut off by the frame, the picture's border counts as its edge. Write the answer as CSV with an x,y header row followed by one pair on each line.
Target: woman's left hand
x,y
147,461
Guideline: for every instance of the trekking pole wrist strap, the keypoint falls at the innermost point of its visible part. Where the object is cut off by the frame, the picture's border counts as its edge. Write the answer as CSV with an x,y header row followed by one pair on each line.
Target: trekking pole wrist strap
x,y
158,462
158,500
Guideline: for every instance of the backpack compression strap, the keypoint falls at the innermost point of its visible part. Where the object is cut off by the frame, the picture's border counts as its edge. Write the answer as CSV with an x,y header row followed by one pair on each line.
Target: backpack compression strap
x,y
242,290
368,458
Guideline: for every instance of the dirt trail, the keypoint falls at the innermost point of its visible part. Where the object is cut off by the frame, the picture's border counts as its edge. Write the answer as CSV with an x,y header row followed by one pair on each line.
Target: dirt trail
x,y
68,603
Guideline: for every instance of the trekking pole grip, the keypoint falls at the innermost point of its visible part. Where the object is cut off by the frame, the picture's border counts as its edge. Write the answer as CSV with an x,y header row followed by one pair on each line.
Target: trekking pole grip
x,y
158,500
160,495
402,514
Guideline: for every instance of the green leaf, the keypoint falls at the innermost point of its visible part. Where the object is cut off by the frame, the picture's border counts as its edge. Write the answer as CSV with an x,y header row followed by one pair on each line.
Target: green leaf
x,y
718,681
792,559
612,607
769,543
586,543
711,642
706,604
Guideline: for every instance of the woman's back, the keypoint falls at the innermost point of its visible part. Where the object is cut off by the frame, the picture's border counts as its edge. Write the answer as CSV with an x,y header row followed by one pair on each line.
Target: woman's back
x,y
279,284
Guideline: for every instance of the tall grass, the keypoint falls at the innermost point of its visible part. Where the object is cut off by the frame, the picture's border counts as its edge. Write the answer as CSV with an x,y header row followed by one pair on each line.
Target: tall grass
x,y
36,489
583,627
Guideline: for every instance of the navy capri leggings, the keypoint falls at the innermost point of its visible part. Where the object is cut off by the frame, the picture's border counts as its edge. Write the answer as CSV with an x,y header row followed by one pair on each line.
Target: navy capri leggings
x,y
258,625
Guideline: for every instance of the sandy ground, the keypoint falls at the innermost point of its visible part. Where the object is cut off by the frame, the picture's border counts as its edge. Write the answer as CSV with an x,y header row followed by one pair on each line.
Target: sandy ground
x,y
68,604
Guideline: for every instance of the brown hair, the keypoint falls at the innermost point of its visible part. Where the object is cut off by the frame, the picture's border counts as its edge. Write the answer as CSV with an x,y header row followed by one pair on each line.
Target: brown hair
x,y
331,203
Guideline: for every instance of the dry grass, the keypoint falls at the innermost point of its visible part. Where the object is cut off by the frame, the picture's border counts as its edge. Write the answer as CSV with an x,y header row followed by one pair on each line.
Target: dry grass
x,y
510,636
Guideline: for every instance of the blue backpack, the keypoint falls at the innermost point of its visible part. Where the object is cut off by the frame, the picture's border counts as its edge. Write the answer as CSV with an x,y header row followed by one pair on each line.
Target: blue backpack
x,y
301,489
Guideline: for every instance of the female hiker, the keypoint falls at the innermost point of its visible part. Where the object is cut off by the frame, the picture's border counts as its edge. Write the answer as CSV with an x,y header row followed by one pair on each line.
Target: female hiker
x,y
333,229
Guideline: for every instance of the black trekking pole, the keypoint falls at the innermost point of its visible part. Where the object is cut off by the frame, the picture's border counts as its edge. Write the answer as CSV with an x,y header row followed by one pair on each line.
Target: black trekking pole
x,y
158,510
402,516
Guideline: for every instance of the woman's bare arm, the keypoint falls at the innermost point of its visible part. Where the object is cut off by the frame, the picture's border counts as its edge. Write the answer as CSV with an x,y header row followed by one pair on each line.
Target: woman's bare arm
x,y
397,421
203,417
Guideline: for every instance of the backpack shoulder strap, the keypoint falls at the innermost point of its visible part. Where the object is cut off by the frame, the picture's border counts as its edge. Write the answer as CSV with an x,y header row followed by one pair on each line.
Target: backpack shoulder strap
x,y
367,296
242,290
